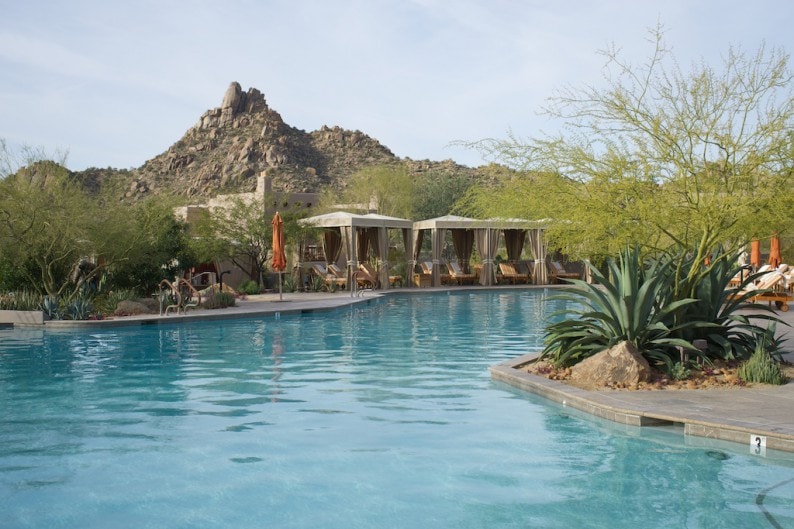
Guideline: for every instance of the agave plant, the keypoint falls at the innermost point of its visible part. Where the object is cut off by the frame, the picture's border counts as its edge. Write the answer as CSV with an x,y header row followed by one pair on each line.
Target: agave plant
x,y
51,306
79,308
730,332
289,284
628,304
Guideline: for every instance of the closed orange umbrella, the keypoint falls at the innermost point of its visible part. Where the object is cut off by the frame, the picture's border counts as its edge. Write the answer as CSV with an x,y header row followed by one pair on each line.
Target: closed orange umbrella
x,y
279,257
755,254
774,251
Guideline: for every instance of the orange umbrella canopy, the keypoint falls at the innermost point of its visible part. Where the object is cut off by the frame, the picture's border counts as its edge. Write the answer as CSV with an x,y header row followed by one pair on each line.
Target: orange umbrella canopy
x,y
279,257
755,253
774,251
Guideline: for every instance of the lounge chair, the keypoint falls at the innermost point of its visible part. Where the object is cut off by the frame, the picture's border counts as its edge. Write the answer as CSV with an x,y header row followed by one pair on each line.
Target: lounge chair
x,y
427,269
457,274
510,273
771,287
336,271
365,278
558,272
421,278
331,280
393,280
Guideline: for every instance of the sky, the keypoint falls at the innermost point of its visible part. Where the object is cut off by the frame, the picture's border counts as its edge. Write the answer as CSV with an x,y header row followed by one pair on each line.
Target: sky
x,y
115,83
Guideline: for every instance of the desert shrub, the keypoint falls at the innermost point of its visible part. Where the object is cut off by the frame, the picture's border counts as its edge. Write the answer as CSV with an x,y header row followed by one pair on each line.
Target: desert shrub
x,y
20,300
680,371
107,302
249,287
762,368
218,300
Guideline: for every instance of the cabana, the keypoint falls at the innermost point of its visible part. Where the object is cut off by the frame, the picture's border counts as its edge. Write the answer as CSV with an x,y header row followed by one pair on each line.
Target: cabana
x,y
356,233
466,231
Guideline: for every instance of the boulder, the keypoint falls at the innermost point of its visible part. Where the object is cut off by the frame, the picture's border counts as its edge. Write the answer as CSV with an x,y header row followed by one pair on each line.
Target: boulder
x,y
621,365
130,308
232,97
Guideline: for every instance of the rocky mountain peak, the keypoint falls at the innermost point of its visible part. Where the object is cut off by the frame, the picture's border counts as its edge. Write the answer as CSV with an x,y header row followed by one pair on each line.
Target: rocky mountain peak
x,y
230,146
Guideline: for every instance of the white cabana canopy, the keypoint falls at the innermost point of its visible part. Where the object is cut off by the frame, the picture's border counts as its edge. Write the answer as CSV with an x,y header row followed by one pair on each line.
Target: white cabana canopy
x,y
373,228
340,219
486,235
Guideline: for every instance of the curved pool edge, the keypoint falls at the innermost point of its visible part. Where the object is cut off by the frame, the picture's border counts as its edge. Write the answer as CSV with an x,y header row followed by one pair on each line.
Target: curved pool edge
x,y
745,415
255,306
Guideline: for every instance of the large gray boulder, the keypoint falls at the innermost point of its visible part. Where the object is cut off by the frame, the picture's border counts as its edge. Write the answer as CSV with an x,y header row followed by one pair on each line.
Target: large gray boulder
x,y
619,366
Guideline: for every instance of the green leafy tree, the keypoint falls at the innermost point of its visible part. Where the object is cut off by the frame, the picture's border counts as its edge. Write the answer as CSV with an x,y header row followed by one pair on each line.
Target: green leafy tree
x,y
55,234
241,230
388,189
657,156
436,194
161,251
395,191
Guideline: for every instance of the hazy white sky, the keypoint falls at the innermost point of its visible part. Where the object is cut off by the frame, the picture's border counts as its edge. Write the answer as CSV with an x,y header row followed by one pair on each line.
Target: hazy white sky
x,y
117,82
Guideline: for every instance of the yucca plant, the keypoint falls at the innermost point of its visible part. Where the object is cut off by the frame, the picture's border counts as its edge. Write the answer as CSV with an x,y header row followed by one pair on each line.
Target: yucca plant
x,y
628,304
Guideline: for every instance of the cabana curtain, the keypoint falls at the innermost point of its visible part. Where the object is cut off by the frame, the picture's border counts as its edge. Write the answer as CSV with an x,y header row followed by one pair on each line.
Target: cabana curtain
x,y
419,237
332,245
487,243
463,242
380,240
438,242
539,273
514,241
362,244
408,240
349,238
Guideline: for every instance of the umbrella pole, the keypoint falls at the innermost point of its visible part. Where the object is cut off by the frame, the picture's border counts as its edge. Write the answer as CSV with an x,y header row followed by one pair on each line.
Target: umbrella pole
x,y
279,286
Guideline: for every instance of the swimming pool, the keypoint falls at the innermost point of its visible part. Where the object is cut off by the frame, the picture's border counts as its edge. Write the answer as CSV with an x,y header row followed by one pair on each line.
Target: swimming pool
x,y
380,415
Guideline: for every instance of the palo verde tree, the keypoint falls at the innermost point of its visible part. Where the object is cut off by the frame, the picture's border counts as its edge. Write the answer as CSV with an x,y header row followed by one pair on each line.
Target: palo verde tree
x,y
387,189
657,156
55,235
395,191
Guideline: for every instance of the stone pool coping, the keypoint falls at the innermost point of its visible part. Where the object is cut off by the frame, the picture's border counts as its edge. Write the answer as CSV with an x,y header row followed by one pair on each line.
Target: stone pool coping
x,y
750,415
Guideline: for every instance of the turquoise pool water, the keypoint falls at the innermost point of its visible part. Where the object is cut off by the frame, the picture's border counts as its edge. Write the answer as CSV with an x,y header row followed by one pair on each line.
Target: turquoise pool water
x,y
381,415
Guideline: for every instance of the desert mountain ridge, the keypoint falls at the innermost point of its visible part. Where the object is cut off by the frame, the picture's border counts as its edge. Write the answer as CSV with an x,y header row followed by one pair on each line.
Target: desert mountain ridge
x,y
231,145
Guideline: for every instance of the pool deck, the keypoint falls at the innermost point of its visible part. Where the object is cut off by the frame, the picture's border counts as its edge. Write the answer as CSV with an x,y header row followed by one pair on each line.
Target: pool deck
x,y
750,415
